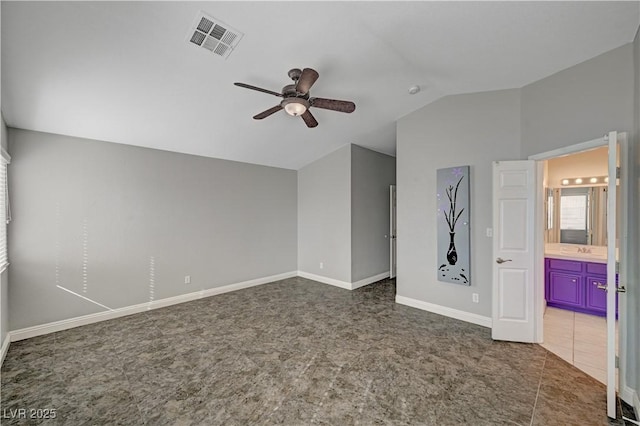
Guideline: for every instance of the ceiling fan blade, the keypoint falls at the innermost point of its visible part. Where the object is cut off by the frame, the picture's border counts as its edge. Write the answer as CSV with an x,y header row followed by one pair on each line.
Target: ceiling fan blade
x,y
333,104
248,86
306,80
309,119
265,114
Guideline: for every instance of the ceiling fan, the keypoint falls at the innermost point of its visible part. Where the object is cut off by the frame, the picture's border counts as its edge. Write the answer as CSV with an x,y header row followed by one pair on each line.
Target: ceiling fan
x,y
297,101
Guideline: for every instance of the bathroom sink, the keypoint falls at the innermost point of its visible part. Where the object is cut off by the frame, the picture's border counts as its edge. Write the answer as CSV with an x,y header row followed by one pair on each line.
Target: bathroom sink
x,y
576,250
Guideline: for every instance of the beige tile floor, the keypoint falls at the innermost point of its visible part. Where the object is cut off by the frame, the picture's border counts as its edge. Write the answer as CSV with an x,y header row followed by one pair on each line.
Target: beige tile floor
x,y
579,339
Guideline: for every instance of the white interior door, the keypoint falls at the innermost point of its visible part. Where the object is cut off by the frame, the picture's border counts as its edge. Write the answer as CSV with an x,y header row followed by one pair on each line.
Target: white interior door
x,y
611,275
392,231
514,199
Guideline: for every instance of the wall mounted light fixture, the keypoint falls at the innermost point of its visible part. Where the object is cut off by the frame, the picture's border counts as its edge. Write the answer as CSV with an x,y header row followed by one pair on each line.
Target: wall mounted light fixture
x,y
593,180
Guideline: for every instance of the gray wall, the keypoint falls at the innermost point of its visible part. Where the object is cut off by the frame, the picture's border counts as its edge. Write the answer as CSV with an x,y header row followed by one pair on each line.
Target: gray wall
x,y
474,130
371,175
324,216
4,277
117,209
575,105
580,103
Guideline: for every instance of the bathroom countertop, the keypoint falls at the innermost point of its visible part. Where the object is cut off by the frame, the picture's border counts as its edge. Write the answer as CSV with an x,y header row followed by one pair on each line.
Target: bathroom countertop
x,y
596,254
585,258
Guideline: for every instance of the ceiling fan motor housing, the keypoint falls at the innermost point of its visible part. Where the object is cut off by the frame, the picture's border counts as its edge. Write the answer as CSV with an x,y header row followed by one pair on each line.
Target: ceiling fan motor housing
x,y
294,74
289,91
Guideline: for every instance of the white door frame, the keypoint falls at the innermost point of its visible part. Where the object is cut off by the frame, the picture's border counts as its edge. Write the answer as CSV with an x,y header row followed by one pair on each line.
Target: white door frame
x,y
624,391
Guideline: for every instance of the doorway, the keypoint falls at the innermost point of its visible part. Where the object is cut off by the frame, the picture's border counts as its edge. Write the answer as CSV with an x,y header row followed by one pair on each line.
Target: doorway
x,y
518,300
575,238
616,251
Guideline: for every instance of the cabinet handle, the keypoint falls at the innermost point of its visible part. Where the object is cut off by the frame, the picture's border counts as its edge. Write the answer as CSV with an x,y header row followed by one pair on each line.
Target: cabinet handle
x,y
573,280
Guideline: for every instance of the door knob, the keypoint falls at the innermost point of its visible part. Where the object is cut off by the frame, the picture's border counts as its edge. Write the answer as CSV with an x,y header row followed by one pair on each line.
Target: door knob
x,y
501,260
604,287
600,286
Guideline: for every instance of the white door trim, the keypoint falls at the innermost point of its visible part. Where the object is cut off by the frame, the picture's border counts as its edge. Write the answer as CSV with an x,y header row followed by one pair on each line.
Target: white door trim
x,y
571,149
540,303
625,166
612,161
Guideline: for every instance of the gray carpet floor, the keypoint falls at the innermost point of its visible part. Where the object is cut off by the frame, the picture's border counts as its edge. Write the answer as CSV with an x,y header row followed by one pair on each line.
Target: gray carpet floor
x,y
293,352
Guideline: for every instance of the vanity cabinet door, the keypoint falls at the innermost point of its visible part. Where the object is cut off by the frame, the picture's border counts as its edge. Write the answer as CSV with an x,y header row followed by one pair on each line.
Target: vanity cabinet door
x,y
596,298
565,288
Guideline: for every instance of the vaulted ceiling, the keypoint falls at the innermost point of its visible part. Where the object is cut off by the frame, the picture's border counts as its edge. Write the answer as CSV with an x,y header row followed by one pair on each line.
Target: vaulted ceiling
x,y
126,72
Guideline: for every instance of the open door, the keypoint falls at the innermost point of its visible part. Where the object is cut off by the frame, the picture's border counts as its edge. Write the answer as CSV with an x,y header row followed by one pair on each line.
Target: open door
x,y
611,273
392,231
514,199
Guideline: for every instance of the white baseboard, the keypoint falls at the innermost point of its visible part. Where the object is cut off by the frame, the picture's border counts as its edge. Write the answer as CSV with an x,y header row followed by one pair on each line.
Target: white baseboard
x,y
447,312
369,280
343,284
5,348
38,330
325,280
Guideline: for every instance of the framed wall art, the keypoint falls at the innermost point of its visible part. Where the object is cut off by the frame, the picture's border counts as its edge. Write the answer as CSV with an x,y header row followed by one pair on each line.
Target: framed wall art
x,y
453,225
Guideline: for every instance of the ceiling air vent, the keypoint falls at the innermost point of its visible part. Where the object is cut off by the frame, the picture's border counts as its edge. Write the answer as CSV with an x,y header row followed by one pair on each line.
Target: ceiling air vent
x,y
213,35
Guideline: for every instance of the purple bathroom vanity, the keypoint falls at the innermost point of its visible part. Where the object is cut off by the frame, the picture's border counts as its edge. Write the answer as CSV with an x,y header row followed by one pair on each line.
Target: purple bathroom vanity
x,y
573,285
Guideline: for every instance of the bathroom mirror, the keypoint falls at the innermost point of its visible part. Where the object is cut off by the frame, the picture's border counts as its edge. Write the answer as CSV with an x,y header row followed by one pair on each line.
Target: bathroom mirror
x,y
577,215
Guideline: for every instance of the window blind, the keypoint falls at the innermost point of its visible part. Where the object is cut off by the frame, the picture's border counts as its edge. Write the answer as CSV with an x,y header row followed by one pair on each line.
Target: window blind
x,y
4,210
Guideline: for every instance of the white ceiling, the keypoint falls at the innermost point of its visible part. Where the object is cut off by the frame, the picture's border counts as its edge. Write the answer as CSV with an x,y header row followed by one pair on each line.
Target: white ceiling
x,y
124,71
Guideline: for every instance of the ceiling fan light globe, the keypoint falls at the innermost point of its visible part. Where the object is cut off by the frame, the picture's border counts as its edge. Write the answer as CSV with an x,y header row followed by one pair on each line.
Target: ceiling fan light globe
x,y
295,109
295,106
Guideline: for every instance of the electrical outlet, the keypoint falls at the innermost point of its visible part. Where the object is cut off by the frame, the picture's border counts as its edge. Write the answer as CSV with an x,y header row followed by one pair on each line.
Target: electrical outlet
x,y
489,232
476,298
321,265
187,279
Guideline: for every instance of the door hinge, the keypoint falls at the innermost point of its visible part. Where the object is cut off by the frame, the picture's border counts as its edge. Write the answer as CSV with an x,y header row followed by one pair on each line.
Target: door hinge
x,y
617,267
617,361
617,172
